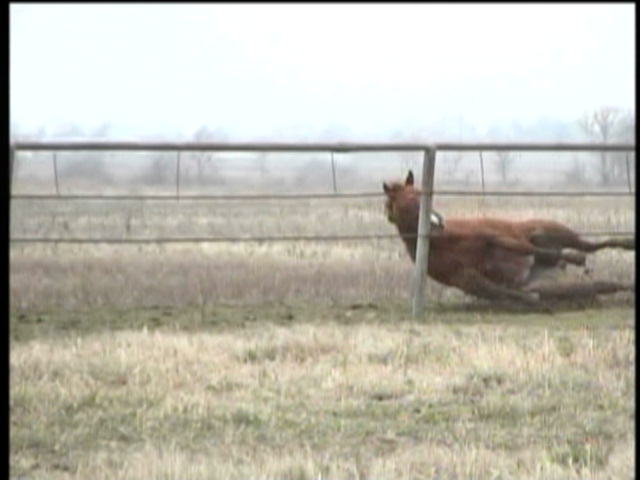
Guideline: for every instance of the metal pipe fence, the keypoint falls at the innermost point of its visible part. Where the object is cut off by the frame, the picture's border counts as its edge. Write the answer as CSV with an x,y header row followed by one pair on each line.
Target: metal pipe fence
x,y
429,150
341,147
305,196
251,239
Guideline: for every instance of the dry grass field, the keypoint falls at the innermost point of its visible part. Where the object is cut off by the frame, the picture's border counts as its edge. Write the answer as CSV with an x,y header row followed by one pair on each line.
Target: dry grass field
x,y
301,360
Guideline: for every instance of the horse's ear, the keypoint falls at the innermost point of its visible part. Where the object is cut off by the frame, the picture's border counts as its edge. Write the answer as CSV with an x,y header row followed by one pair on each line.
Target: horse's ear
x,y
385,187
409,180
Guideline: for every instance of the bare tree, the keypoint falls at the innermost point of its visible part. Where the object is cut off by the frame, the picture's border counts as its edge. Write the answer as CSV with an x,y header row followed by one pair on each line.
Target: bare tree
x,y
451,164
409,160
205,160
102,131
68,130
86,166
606,124
576,174
504,164
17,134
624,163
159,171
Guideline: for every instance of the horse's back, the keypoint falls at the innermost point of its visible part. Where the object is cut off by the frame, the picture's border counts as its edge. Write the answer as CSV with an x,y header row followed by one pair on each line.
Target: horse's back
x,y
480,225
527,227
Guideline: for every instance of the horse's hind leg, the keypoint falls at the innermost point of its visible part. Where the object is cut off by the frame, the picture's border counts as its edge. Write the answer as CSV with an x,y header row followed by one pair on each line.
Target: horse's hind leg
x,y
578,290
474,283
545,253
570,239
626,243
558,258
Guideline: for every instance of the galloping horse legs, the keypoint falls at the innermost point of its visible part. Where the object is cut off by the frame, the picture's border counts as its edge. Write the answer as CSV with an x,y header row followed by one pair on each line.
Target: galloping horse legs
x,y
474,283
545,256
578,290
551,240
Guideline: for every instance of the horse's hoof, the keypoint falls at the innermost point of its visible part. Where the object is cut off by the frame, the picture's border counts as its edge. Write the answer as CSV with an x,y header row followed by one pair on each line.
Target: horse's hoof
x,y
577,258
532,298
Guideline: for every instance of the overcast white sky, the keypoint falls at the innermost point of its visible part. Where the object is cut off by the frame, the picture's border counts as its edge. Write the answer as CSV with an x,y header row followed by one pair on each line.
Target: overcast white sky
x,y
256,69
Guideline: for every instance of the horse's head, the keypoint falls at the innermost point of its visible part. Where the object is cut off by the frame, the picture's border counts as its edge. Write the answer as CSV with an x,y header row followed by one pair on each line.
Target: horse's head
x,y
396,192
400,195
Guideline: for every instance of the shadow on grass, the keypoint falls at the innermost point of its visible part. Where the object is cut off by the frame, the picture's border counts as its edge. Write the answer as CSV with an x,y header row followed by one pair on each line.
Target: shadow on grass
x,y
549,307
25,326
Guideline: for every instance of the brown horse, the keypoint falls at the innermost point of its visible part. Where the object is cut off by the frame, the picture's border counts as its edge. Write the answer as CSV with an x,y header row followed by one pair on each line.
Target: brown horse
x,y
496,258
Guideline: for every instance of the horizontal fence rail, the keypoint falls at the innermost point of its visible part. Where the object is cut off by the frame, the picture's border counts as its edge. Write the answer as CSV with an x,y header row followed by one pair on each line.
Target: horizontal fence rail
x,y
256,239
303,196
315,146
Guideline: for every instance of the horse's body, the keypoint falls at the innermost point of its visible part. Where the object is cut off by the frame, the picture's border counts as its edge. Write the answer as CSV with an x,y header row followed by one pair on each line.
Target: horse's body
x,y
496,258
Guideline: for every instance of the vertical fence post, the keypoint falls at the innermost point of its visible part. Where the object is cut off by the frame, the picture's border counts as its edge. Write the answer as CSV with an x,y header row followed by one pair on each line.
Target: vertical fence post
x,y
178,175
628,172
55,173
12,159
482,171
424,229
333,173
